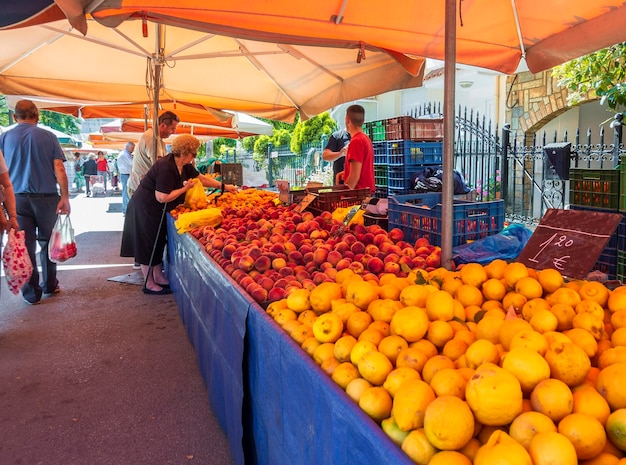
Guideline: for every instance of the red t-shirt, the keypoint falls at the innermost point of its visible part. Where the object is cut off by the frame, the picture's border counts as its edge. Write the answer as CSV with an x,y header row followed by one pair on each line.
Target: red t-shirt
x,y
103,164
362,151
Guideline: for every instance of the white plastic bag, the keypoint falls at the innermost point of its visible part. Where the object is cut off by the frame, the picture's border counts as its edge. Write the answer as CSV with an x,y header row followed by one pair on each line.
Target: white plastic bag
x,y
62,245
17,265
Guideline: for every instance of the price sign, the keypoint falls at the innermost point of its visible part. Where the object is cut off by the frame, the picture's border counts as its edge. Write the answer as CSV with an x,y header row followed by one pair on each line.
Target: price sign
x,y
305,202
569,240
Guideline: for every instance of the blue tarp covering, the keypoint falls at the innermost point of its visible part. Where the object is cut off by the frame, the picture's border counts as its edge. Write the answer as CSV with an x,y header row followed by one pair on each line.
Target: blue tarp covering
x,y
274,403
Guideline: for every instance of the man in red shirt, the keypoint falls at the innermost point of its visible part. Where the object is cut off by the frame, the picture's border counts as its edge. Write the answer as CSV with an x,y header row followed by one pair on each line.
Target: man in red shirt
x,y
359,169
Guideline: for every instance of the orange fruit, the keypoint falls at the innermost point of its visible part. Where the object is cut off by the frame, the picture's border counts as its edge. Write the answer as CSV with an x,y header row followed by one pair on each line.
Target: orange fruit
x,y
481,351
553,398
617,300
549,448
489,328
344,373
328,327
493,289
439,332
465,335
529,339
425,346
473,274
529,288
470,449
514,300
501,448
376,402
389,291
564,295
454,349
356,387
371,334
603,458
448,423
449,382
616,428
323,352
590,306
590,322
533,305
410,402
449,457
358,322
550,279
397,377
418,447
411,322
544,320
391,346
510,328
374,367
585,433
568,363
344,309
412,357
618,319
565,314
528,366
361,293
469,295
494,395
307,317
596,291
322,295
283,315
513,273
527,424
610,383
434,365
343,347
310,344
301,332
495,268
298,300
611,355
383,309
583,339
618,338
415,295
360,349
451,284
439,306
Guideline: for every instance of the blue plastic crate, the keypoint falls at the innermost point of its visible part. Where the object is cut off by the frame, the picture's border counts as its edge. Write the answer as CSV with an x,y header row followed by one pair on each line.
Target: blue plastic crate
x,y
419,215
381,176
399,178
407,153
380,153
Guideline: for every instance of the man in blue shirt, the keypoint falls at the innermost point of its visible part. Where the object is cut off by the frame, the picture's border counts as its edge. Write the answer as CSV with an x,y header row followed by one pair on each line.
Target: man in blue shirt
x,y
124,164
336,150
35,161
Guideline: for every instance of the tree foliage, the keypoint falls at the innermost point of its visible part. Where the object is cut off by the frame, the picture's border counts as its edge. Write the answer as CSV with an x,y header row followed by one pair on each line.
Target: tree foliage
x,y
600,74
311,131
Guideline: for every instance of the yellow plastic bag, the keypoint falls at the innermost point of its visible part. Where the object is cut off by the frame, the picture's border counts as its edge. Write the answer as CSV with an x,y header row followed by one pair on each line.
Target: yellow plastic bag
x,y
340,214
195,198
205,217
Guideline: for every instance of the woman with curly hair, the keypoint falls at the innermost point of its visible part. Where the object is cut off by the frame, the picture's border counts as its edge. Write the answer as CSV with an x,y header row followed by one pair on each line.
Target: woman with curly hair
x,y
161,189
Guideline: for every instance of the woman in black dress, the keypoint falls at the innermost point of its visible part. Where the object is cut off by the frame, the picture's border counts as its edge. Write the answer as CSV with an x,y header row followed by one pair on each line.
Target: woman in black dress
x,y
164,186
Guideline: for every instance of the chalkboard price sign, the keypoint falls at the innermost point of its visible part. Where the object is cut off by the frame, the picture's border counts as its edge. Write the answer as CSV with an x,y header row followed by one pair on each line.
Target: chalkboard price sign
x,y
569,240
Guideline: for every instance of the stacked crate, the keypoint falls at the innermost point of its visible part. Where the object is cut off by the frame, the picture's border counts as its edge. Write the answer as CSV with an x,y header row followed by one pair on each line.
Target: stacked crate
x,y
601,191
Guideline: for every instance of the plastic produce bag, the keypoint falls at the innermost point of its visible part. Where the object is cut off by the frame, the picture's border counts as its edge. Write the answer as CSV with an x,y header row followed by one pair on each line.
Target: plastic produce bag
x,y
195,198
62,245
206,217
505,245
17,265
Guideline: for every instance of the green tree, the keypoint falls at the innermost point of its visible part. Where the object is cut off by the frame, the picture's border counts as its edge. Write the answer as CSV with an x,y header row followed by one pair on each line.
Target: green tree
x,y
221,145
310,131
600,74
64,123
4,112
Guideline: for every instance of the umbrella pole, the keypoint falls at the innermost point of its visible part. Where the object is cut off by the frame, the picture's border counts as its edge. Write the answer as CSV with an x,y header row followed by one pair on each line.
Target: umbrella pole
x,y
447,197
158,79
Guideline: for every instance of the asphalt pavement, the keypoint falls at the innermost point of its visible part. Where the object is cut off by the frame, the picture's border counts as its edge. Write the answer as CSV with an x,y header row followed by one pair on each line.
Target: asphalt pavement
x,y
101,373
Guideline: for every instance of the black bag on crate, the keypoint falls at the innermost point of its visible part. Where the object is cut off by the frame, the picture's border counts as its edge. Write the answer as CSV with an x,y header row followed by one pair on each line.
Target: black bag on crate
x,y
430,180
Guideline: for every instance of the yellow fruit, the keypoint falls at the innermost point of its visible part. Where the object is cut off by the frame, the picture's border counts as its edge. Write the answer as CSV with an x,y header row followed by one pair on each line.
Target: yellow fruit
x,y
356,387
494,395
528,366
415,295
493,289
481,351
390,427
383,309
289,325
529,339
412,357
596,291
610,383
360,349
327,327
553,398
585,433
322,295
449,382
301,333
489,328
544,320
418,448
451,284
410,322
473,274
397,377
376,402
603,458
611,355
374,367
307,317
552,448
500,448
389,291
391,346
344,373
343,275
618,338
323,352
283,315
361,293
410,402
513,273
328,366
495,269
616,428
449,457
510,328
439,332
448,423
527,424
590,322
618,319
298,300
550,279
590,306
532,306
310,344
529,288
439,306
588,401
617,300
513,300
343,347
469,295
564,295
358,322
344,309
425,346
568,363
381,326
371,334
565,314
554,336
454,349
434,365
584,340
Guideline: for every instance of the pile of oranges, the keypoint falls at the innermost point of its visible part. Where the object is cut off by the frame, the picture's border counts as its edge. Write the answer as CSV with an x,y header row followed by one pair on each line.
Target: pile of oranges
x,y
486,364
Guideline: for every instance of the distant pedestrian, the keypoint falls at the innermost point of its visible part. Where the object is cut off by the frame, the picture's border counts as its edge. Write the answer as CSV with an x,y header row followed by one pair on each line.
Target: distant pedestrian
x,y
124,164
78,168
103,169
90,168
35,161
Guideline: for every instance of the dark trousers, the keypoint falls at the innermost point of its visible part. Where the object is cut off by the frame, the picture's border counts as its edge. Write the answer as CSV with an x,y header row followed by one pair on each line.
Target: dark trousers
x,y
36,216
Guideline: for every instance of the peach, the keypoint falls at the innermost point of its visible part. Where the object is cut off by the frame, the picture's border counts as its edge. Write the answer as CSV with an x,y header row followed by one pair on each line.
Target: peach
x,y
295,257
343,263
334,257
392,257
259,294
266,283
419,262
320,255
342,247
357,248
263,263
276,293
246,263
278,263
228,250
286,271
305,248
372,249
395,234
375,265
308,258
421,242
308,284
391,267
357,267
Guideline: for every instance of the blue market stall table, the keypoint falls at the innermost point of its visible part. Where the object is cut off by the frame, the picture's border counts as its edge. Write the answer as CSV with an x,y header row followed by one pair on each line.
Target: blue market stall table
x,y
274,403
